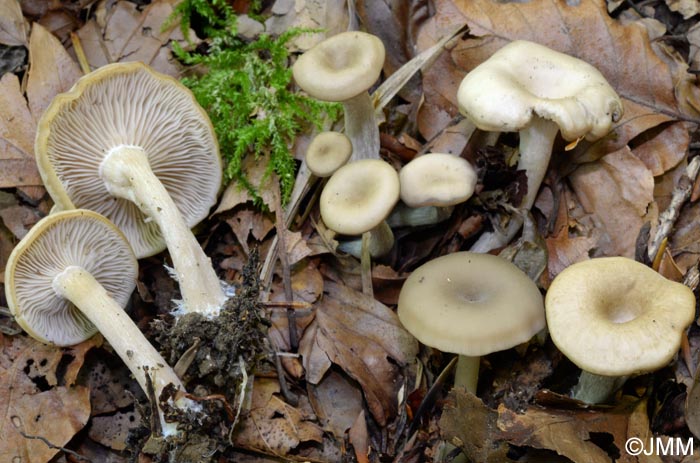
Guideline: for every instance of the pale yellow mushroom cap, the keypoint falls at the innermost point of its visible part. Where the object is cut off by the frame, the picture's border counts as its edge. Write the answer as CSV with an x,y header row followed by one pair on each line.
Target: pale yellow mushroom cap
x,y
327,152
437,179
613,316
470,304
341,67
70,238
359,196
525,79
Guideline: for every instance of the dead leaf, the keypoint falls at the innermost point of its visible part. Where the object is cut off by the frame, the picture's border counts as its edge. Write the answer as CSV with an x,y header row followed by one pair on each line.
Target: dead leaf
x,y
273,426
51,70
616,191
359,438
112,430
663,147
337,401
19,219
687,8
55,413
359,334
236,194
13,27
329,16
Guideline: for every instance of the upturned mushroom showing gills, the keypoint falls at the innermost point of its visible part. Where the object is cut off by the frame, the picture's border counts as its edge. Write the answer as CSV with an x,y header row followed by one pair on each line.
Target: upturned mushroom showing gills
x,y
342,68
69,278
134,145
615,317
528,88
472,305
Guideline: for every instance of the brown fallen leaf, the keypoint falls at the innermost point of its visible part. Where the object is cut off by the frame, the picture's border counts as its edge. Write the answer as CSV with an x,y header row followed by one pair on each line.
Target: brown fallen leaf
x,y
337,402
56,413
359,438
112,430
359,334
13,27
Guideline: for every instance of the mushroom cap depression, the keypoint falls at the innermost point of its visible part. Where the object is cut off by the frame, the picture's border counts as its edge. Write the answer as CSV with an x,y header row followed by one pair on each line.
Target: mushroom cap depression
x,y
129,104
437,179
76,237
470,304
613,316
359,196
341,67
327,152
525,79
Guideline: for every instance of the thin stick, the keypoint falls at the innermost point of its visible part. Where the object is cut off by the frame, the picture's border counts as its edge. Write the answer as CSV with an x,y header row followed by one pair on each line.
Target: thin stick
x,y
80,53
286,271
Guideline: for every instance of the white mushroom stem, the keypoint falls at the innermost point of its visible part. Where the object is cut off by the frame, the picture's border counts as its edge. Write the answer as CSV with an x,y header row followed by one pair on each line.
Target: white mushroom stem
x,y
596,389
361,127
536,142
78,286
467,372
381,240
127,174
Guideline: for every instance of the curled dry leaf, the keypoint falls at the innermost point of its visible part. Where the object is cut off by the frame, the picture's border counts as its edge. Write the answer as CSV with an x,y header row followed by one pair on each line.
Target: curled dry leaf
x,y
360,335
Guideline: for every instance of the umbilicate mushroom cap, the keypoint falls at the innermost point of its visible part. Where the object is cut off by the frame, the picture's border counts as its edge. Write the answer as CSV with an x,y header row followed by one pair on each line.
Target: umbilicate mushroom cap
x,y
525,79
359,196
341,67
437,179
470,304
70,238
613,316
129,104
327,152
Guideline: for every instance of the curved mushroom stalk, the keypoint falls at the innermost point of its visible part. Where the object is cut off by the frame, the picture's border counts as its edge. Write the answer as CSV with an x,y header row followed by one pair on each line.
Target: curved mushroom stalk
x,y
78,286
536,142
127,174
361,127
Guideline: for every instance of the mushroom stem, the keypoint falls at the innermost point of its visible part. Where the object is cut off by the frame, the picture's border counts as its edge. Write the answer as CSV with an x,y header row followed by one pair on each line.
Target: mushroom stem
x,y
595,389
467,372
127,174
536,142
361,127
381,240
78,286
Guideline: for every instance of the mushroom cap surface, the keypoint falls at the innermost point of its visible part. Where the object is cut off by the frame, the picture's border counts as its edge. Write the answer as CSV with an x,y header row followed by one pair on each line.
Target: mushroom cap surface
x,y
613,316
129,104
70,238
327,152
437,179
359,196
470,304
523,80
341,67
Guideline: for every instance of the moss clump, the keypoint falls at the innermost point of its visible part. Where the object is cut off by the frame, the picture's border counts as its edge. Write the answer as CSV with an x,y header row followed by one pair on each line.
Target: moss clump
x,y
246,91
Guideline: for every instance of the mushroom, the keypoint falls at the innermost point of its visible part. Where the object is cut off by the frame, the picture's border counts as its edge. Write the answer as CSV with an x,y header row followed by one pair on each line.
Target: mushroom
x,y
343,68
327,152
69,278
472,305
437,179
134,145
614,317
528,88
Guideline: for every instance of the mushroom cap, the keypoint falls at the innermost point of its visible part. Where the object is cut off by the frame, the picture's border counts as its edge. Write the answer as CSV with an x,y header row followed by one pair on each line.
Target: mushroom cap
x,y
341,67
129,104
523,80
327,152
437,179
359,196
613,316
470,304
77,237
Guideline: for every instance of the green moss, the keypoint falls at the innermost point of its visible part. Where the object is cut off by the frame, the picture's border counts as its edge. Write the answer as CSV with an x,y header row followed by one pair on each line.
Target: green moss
x,y
246,91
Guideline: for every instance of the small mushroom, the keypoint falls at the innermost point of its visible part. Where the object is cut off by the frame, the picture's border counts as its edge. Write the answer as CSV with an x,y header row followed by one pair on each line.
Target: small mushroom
x,y
327,152
472,305
437,179
134,145
614,317
342,68
69,278
531,89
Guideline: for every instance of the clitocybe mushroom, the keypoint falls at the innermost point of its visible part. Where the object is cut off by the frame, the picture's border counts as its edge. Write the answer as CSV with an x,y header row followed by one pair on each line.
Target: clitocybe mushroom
x,y
472,305
343,68
327,152
135,146
528,88
437,179
614,317
69,278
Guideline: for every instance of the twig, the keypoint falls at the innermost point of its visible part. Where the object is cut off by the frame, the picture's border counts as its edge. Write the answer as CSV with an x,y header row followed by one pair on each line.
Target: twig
x,y
670,215
286,271
80,53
